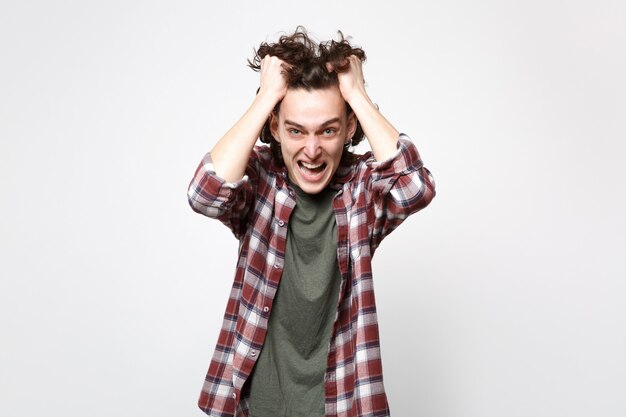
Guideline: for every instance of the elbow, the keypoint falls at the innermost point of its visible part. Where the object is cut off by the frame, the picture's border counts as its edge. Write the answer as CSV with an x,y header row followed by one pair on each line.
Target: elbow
x,y
424,191
422,199
194,200
429,190
193,204
429,194
207,207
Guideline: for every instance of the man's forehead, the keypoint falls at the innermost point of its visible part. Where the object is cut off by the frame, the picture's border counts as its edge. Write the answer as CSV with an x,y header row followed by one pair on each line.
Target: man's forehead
x,y
312,108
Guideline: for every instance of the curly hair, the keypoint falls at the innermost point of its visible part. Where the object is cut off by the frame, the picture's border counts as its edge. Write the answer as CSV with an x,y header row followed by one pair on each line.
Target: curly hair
x,y
308,70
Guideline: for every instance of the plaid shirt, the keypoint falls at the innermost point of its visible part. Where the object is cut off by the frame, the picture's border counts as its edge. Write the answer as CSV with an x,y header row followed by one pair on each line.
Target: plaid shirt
x,y
372,199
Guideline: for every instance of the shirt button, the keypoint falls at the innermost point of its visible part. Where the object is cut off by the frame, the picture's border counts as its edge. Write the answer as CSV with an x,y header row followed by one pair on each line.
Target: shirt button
x,y
253,353
234,395
266,309
276,266
281,223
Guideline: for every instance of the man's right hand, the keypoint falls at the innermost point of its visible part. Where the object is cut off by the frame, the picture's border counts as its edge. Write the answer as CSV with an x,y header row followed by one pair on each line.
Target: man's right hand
x,y
273,81
230,154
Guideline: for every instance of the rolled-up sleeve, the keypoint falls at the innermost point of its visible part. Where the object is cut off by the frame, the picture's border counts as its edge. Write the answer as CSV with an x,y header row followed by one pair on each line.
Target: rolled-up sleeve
x,y
229,202
400,186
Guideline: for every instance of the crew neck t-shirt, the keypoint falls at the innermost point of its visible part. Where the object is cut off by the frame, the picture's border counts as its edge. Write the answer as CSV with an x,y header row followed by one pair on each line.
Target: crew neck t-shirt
x,y
288,378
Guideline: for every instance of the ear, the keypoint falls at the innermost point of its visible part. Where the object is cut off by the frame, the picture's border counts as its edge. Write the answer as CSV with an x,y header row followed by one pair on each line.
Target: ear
x,y
274,126
351,126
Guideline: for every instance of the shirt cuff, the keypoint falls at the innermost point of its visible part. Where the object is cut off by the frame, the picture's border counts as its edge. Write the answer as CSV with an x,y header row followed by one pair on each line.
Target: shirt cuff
x,y
212,191
406,159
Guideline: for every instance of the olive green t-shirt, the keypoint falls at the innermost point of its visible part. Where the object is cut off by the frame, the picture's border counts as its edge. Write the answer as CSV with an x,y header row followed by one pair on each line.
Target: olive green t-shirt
x,y
288,378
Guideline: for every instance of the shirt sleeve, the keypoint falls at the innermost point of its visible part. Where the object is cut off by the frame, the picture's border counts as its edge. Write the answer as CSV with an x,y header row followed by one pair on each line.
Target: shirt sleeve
x,y
229,202
400,186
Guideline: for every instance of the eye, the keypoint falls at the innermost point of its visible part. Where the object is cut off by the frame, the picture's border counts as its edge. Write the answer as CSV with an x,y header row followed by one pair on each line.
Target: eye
x,y
294,131
330,131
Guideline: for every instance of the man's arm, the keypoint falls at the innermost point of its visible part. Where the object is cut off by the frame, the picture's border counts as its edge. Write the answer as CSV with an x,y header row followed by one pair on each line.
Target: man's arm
x,y
380,133
231,153
401,185
217,189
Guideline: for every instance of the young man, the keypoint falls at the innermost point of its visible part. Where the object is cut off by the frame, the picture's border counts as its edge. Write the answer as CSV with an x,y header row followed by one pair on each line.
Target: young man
x,y
300,334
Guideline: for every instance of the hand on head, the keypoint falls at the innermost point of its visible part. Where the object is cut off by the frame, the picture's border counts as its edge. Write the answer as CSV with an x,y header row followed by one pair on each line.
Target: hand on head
x,y
273,79
351,80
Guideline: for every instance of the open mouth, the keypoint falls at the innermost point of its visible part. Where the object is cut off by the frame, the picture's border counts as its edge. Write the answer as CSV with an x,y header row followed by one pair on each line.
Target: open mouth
x,y
311,169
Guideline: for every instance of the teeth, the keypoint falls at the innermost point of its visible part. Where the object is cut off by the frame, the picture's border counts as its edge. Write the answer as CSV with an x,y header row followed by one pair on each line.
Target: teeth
x,y
311,166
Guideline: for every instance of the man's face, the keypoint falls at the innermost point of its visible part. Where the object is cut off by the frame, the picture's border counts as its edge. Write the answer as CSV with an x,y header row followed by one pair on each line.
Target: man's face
x,y
312,128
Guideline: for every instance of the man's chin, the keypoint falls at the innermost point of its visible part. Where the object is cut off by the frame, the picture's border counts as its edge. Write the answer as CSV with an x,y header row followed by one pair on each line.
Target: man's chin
x,y
312,187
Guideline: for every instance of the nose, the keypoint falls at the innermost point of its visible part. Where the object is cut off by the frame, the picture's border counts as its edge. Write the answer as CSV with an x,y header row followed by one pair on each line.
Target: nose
x,y
312,147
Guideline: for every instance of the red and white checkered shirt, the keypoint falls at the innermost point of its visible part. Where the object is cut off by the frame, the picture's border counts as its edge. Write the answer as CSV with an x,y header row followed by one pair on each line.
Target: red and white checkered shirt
x,y
372,199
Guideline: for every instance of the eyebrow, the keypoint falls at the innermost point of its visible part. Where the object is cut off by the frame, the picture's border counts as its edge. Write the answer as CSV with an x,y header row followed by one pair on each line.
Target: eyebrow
x,y
326,123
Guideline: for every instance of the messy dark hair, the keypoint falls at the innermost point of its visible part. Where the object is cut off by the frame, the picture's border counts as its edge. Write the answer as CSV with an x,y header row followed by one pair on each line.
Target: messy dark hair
x,y
307,60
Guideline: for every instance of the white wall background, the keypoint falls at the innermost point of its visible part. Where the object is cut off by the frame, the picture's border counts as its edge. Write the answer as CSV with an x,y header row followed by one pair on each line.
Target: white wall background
x,y
505,297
